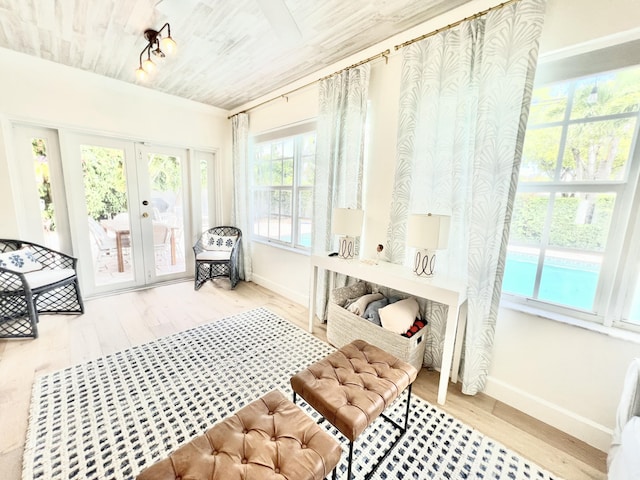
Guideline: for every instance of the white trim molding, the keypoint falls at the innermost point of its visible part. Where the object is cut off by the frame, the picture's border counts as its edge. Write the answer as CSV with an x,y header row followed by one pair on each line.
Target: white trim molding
x,y
580,427
281,290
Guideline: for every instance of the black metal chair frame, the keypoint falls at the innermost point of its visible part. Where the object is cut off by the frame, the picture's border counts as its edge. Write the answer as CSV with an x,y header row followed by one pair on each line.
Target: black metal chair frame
x,y
402,429
20,304
211,269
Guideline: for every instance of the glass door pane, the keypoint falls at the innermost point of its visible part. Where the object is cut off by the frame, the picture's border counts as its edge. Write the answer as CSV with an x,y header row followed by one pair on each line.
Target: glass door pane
x,y
161,186
106,198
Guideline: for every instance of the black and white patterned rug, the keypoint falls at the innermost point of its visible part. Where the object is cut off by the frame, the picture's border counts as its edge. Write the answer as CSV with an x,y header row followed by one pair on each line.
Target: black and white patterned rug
x,y
111,417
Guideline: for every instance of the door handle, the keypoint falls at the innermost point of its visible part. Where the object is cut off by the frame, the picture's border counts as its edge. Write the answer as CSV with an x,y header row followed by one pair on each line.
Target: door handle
x,y
145,215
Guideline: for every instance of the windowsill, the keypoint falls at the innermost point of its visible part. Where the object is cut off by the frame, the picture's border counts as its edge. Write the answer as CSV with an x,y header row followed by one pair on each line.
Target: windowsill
x,y
612,332
281,246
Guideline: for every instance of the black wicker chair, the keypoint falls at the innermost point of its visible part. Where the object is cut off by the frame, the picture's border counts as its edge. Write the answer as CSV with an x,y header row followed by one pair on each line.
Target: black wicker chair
x,y
49,286
217,253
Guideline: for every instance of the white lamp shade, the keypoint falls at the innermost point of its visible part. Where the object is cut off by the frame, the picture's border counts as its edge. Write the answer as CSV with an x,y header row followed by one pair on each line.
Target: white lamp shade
x,y
168,45
428,231
148,66
347,222
141,74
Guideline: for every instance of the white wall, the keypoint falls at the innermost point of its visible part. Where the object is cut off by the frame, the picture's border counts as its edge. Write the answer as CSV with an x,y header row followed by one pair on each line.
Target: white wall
x,y
43,93
572,22
567,376
564,375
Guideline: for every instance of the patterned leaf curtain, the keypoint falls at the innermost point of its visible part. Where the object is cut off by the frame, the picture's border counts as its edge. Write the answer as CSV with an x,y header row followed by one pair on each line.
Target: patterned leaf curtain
x,y
464,102
339,156
241,189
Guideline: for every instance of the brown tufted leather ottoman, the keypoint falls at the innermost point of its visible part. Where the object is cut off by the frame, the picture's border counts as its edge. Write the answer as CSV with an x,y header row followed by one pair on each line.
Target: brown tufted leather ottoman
x,y
353,386
270,438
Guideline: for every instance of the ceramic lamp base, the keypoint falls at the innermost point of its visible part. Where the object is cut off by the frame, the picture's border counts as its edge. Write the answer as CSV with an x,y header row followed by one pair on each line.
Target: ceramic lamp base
x,y
346,247
424,264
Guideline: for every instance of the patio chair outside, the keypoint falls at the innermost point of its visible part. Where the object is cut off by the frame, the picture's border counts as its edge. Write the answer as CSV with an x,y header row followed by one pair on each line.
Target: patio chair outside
x,y
106,245
161,242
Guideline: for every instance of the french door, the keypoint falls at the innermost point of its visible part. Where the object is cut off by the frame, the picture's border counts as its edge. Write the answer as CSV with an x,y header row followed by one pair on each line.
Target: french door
x,y
128,210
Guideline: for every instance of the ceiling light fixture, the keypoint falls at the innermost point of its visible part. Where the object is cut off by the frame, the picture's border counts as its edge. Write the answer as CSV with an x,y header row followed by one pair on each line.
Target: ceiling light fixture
x,y
158,45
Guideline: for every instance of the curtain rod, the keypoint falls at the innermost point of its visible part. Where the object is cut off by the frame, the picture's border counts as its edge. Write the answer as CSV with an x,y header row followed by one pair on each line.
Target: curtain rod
x,y
454,24
384,54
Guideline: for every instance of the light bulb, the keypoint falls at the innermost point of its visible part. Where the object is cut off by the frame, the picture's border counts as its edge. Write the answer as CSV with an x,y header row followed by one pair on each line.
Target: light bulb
x,y
141,74
168,45
148,66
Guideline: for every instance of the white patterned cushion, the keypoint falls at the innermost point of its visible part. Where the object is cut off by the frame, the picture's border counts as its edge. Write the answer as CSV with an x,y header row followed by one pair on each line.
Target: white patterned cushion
x,y
340,295
213,255
21,261
39,278
221,243
47,277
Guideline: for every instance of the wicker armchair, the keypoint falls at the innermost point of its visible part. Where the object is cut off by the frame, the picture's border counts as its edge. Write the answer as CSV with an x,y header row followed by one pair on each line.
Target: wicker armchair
x,y
217,253
34,279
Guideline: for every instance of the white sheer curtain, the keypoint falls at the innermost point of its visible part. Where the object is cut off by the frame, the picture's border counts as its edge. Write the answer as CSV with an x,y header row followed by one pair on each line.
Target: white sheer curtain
x,y
339,156
464,102
241,189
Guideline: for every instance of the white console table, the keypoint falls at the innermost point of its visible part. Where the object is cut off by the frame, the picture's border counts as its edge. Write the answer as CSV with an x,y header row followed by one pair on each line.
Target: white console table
x,y
440,289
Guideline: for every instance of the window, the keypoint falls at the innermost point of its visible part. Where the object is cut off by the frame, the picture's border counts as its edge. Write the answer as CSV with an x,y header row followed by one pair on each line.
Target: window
x,y
47,209
205,208
43,198
574,205
283,175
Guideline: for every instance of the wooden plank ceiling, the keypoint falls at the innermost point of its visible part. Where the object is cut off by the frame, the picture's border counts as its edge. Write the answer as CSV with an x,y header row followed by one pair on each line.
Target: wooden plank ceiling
x,y
229,51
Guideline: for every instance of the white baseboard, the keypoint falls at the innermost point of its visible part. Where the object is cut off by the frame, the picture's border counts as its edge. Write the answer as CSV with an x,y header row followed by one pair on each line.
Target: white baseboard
x,y
587,430
277,288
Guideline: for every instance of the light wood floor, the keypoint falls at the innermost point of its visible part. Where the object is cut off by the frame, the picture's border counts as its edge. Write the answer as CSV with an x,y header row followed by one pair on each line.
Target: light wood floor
x,y
116,322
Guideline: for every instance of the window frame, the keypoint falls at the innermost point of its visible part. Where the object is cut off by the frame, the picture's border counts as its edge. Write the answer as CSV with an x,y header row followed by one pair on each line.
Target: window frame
x,y
620,268
297,132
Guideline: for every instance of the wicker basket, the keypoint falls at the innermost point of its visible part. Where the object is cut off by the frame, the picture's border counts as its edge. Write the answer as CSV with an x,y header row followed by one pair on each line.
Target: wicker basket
x,y
343,327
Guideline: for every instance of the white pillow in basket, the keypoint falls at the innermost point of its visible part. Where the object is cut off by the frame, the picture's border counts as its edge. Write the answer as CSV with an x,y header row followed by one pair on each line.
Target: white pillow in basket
x,y
220,243
399,316
359,306
20,261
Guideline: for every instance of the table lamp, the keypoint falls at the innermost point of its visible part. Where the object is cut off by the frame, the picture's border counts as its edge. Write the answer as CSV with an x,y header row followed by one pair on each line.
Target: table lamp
x,y
427,233
347,222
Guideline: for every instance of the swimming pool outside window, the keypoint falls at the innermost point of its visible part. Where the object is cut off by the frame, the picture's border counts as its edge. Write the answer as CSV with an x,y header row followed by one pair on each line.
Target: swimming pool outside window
x,y
575,201
283,169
